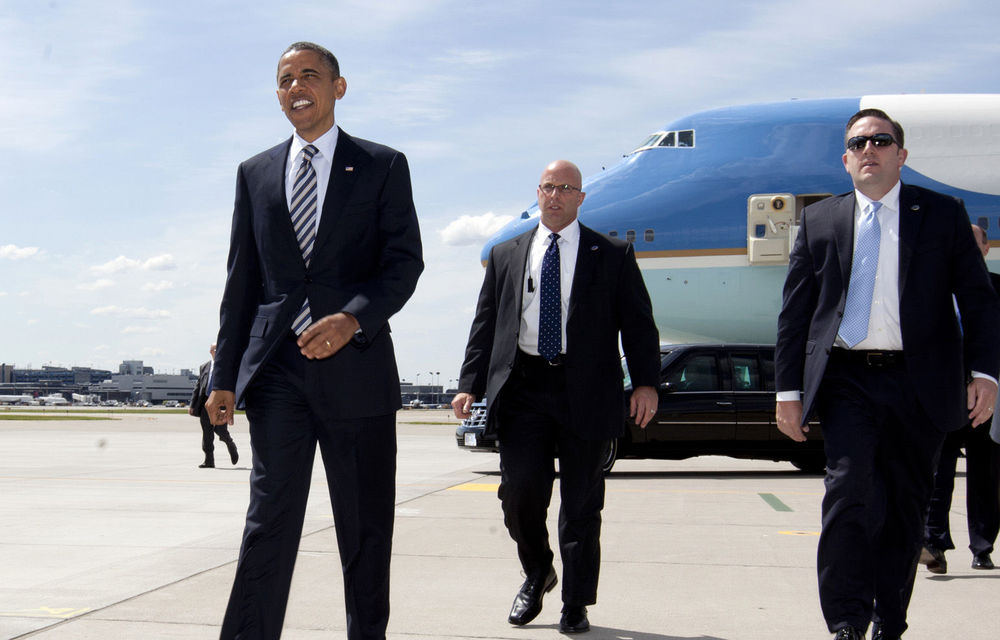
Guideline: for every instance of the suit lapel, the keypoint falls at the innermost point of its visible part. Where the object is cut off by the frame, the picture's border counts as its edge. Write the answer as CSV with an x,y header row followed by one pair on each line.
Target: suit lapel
x,y
274,183
910,218
587,255
519,262
843,235
347,163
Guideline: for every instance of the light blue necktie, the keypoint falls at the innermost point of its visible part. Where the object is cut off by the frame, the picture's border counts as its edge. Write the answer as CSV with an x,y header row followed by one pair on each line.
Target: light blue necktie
x,y
854,325
550,303
304,196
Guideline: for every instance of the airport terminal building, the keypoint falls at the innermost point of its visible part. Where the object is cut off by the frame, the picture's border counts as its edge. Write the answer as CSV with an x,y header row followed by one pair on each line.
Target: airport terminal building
x,y
132,383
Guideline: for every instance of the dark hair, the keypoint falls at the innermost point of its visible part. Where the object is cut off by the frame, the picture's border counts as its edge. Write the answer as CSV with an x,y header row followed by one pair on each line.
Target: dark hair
x,y
328,58
897,129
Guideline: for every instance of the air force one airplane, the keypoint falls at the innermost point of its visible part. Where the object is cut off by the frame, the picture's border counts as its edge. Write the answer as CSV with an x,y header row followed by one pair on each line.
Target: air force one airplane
x,y
712,201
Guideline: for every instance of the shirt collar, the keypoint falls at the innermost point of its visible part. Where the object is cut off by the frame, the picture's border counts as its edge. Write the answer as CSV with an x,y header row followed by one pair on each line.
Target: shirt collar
x,y
569,234
326,144
890,199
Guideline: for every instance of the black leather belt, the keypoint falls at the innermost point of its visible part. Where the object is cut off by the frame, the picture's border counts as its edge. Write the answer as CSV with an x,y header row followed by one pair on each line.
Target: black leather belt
x,y
537,362
868,358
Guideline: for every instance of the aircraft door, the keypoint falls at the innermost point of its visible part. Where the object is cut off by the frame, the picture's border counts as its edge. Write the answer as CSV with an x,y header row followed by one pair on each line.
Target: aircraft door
x,y
770,222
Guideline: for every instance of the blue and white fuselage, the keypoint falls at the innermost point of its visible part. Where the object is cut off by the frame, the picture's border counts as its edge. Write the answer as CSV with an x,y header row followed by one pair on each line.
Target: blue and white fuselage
x,y
712,201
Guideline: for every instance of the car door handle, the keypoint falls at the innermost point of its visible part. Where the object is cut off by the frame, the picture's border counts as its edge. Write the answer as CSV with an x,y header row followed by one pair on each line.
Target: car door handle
x,y
722,403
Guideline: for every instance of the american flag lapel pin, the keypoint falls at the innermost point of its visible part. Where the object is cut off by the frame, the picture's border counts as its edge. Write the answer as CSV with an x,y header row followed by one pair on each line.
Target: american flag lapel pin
x,y
348,169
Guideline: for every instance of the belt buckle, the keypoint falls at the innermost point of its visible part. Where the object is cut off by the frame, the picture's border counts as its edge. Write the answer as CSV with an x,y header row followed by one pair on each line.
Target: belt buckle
x,y
876,359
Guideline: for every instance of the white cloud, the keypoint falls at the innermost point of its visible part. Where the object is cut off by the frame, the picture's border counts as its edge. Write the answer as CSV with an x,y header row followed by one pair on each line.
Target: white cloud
x,y
141,313
162,285
151,352
13,252
473,229
134,330
97,285
118,265
164,262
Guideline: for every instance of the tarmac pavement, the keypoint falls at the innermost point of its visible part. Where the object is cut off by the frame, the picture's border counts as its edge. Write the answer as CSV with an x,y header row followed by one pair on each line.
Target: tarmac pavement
x,y
109,530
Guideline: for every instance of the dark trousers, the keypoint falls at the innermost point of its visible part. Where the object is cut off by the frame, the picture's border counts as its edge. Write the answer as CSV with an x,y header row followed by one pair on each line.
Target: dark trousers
x,y
533,429
287,419
208,433
881,453
982,487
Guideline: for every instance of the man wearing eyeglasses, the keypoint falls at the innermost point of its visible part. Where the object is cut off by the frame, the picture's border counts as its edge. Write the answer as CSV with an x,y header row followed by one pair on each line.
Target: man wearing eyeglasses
x,y
869,340
544,351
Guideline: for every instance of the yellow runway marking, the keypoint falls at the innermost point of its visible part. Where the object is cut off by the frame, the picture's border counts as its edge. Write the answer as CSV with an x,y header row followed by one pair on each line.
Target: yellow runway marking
x,y
476,486
46,612
799,533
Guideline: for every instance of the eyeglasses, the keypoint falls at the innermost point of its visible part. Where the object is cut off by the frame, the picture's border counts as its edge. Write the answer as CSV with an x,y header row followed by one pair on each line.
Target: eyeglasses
x,y
548,188
879,140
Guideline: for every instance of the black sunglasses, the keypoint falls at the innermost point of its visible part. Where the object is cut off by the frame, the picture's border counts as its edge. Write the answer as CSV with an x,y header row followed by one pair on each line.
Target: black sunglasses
x,y
879,140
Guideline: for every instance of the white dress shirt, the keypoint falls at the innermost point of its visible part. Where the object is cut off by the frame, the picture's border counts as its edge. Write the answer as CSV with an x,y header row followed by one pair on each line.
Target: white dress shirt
x,y
883,322
569,244
321,162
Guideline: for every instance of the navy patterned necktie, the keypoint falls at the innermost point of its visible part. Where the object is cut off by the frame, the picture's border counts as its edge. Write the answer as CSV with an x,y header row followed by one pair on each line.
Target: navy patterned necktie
x,y
304,195
550,307
857,310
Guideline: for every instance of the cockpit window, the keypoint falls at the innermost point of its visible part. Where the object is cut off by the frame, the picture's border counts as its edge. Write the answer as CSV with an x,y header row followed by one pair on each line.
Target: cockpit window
x,y
651,140
672,139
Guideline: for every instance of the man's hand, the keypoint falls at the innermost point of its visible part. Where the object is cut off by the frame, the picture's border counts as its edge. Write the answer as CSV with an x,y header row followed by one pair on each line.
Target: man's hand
x,y
789,416
328,335
461,404
642,406
982,397
221,406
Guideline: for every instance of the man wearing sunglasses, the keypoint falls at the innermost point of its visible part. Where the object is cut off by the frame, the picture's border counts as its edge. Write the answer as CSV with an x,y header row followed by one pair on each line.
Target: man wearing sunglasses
x,y
868,339
544,351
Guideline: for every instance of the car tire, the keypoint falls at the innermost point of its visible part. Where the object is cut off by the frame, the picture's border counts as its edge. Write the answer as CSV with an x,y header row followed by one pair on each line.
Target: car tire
x,y
610,455
811,464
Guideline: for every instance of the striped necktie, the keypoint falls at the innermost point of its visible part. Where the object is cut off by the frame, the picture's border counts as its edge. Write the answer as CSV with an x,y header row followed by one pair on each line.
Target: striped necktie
x,y
304,196
550,303
857,310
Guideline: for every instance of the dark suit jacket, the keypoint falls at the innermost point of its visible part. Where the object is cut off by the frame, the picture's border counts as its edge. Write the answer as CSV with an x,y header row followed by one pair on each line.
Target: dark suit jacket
x,y
200,393
938,258
366,262
608,296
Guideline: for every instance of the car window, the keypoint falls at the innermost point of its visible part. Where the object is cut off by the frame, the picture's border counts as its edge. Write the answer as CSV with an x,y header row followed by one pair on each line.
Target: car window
x,y
698,372
767,364
746,372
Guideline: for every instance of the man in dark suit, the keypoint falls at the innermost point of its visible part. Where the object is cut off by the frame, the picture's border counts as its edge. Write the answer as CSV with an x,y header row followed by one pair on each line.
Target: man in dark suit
x,y
544,350
208,430
869,336
324,249
982,483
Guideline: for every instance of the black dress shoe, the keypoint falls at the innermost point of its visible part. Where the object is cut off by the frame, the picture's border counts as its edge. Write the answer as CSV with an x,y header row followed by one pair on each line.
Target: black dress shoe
x,y
233,454
877,633
574,620
982,561
208,464
934,559
848,633
528,601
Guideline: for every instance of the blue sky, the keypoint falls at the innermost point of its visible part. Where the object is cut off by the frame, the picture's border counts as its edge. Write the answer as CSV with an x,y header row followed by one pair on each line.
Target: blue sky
x,y
122,124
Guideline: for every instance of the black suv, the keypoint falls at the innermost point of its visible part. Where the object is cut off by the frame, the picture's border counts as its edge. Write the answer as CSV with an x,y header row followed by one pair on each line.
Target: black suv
x,y
715,399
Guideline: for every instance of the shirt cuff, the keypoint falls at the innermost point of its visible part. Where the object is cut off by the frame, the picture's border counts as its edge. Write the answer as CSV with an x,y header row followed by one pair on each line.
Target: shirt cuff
x,y
788,396
977,374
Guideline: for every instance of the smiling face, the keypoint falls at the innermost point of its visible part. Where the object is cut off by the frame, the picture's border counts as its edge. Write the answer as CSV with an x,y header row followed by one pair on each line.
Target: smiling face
x,y
308,90
560,208
874,170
